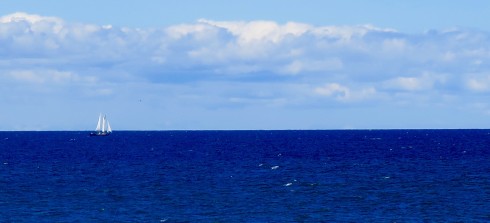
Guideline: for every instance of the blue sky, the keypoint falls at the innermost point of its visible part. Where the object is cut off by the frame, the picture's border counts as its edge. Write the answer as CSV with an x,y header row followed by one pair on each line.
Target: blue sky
x,y
411,16
161,65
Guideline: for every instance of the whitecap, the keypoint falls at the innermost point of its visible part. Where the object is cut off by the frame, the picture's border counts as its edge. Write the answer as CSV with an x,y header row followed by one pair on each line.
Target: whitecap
x,y
274,167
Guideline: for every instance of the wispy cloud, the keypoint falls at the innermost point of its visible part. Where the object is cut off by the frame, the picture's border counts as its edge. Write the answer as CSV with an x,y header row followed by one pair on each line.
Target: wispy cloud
x,y
225,60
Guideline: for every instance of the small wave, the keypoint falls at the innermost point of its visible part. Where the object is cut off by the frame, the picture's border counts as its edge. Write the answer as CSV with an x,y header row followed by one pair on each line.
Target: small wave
x,y
274,167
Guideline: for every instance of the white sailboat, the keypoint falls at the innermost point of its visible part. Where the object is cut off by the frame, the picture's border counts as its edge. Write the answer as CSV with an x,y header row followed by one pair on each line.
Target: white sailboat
x,y
103,127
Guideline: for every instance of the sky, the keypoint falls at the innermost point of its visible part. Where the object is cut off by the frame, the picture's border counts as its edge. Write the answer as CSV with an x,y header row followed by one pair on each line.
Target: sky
x,y
234,65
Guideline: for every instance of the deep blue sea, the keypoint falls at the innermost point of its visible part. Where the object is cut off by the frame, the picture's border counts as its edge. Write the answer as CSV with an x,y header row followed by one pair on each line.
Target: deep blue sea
x,y
246,176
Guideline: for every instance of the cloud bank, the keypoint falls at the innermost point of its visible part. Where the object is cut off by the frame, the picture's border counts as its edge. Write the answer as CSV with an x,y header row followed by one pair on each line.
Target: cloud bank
x,y
246,64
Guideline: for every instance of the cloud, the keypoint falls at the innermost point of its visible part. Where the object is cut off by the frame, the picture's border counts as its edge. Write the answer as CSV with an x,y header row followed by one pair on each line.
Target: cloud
x,y
47,77
363,53
260,31
349,53
479,82
345,94
30,18
300,66
425,81
291,64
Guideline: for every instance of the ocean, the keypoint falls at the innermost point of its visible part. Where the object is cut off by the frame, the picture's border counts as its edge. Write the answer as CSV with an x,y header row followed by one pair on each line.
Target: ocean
x,y
246,176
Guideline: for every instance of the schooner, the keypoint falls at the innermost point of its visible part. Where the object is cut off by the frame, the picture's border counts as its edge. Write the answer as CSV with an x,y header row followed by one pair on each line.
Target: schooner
x,y
103,127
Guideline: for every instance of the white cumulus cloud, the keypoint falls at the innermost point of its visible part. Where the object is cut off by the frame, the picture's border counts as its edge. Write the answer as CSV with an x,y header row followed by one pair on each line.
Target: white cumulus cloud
x,y
304,63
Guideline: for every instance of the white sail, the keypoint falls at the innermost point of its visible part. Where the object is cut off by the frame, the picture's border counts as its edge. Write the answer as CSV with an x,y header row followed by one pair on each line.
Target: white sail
x,y
103,124
108,127
99,123
103,127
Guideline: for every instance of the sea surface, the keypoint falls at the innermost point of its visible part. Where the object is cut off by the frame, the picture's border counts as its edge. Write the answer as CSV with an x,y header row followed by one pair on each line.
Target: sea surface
x,y
246,176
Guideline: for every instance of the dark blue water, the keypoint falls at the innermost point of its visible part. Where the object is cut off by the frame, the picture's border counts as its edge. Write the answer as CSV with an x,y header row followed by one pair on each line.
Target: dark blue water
x,y
246,176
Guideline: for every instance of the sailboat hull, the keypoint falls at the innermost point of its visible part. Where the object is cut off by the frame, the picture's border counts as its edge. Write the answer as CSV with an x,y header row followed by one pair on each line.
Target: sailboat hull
x,y
100,133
